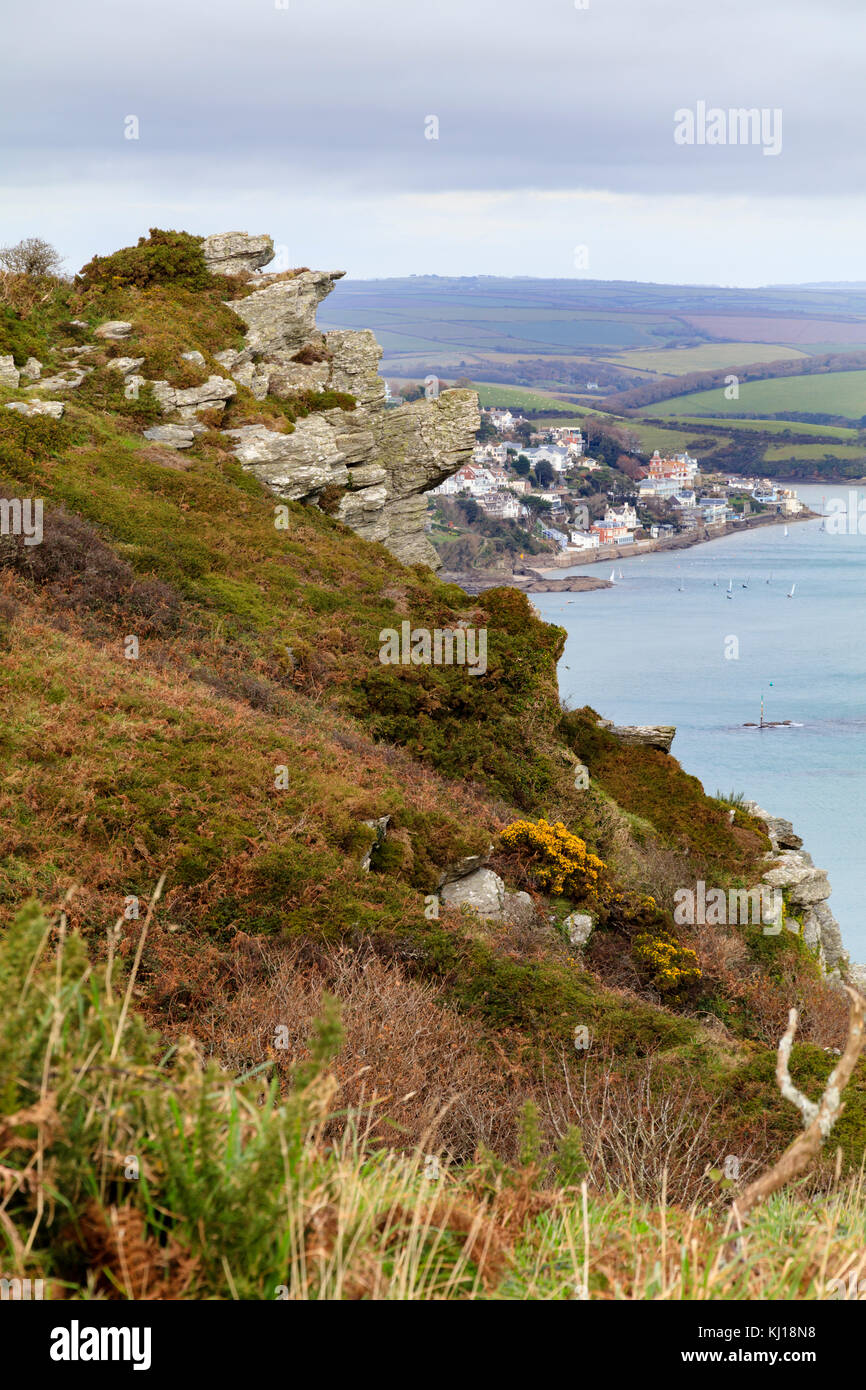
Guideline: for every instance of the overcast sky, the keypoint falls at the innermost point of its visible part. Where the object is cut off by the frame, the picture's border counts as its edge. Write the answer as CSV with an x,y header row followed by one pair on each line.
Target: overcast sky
x,y
555,133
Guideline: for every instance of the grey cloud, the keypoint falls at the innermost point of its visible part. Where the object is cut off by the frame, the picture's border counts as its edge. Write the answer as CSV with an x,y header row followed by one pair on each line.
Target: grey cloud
x,y
334,93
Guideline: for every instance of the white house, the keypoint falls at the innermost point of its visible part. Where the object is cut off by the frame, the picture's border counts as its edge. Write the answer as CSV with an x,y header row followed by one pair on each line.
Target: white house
x,y
584,540
622,516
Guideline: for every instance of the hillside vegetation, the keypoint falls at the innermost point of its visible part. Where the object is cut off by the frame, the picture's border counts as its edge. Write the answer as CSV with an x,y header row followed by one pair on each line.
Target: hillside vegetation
x,y
232,1084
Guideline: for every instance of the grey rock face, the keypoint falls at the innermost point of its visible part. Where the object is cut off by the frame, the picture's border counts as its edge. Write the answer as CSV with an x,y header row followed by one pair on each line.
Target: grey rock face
x,y
32,369
212,394
781,832
9,374
230,253
659,736
790,869
295,465
54,409
172,436
484,892
384,459
806,885
281,318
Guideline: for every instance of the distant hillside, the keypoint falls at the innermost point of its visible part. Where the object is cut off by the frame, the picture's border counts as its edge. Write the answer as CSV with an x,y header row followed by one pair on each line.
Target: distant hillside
x,y
562,333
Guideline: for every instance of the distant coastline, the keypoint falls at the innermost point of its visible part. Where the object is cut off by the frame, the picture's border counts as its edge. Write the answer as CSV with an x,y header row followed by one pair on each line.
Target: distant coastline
x,y
549,578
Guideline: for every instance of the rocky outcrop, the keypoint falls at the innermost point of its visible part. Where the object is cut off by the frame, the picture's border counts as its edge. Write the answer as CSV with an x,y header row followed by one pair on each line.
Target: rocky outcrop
x,y
659,736
578,928
232,253
382,460
281,317
114,331
806,888
9,374
54,409
485,894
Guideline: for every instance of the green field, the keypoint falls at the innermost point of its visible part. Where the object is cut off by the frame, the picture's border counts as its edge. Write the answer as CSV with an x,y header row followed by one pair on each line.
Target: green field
x,y
667,441
814,451
707,357
494,393
836,393
829,432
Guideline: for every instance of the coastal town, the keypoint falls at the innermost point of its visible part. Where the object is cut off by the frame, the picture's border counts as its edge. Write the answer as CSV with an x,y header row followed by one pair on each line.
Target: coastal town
x,y
544,491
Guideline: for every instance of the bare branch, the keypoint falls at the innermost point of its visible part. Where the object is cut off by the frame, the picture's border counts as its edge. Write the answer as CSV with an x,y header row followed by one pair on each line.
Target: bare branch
x,y
818,1119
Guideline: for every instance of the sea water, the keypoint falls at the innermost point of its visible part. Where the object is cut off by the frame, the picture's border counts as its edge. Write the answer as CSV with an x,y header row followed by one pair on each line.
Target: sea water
x,y
666,646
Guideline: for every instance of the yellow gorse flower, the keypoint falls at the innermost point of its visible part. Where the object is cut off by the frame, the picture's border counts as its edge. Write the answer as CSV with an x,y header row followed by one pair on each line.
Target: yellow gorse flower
x,y
564,864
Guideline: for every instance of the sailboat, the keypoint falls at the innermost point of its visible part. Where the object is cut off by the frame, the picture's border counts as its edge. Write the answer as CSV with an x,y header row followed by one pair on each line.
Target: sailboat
x,y
619,576
791,594
613,576
785,532
745,583
729,593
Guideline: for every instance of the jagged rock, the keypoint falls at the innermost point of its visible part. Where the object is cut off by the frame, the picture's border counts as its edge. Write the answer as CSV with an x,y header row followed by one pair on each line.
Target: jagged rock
x,y
113,330
63,381
212,393
195,357
659,736
418,445
9,374
281,318
231,253
485,893
354,365
806,885
125,364
379,828
292,465
830,935
254,378
857,977
287,377
172,436
578,926
54,409
32,369
385,460
780,832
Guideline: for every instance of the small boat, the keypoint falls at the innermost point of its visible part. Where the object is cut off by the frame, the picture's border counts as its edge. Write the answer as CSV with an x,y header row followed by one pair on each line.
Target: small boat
x,y
619,576
785,532
730,585
791,594
728,594
745,583
613,576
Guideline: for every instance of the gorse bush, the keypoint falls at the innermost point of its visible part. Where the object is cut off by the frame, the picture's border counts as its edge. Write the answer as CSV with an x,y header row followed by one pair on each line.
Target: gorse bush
x,y
561,862
162,258
670,965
